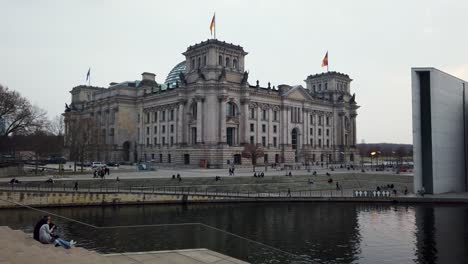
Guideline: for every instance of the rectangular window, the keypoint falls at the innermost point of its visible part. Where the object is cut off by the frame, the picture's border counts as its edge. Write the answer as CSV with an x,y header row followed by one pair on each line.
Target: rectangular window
x,y
152,156
311,119
252,127
311,141
155,129
275,128
311,131
327,132
147,117
172,128
252,140
320,142
264,114
147,141
275,115
147,131
155,140
172,115
264,141
274,142
155,117
328,143
163,129
168,158
327,121
164,140
172,141
320,120
163,115
320,132
263,128
160,158
252,113
137,117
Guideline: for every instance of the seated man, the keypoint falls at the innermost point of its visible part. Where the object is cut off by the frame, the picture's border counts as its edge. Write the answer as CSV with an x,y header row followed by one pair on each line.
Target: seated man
x,y
46,236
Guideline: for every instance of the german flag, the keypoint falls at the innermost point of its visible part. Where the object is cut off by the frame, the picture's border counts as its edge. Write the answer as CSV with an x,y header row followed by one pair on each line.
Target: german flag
x,y
325,60
212,25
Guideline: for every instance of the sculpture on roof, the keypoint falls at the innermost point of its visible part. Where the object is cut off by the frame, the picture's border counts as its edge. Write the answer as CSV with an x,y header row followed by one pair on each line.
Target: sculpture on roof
x,y
182,78
353,99
201,75
245,77
222,76
67,108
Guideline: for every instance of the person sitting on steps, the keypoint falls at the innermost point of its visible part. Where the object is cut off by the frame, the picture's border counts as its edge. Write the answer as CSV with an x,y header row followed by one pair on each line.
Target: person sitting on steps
x,y
46,236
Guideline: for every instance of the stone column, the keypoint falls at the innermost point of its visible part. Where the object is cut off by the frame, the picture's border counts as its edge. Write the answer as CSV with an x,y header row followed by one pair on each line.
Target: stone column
x,y
258,138
222,119
285,125
353,123
180,123
244,127
270,128
199,120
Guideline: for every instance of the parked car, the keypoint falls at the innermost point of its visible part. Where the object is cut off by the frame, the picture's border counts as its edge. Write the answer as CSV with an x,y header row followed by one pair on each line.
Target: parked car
x,y
112,164
97,164
56,160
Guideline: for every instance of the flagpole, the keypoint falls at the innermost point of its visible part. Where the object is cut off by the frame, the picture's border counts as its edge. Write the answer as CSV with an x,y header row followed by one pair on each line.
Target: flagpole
x,y
215,25
328,60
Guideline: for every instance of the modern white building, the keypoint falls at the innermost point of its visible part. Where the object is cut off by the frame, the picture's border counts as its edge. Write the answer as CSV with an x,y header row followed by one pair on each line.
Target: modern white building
x,y
439,131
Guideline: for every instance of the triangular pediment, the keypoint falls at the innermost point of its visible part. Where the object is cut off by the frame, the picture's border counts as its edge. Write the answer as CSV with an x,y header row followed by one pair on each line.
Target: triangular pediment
x,y
297,93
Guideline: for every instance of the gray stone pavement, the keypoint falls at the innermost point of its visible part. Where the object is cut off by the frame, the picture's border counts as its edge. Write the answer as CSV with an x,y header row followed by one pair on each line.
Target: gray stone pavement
x,y
18,247
187,256
129,172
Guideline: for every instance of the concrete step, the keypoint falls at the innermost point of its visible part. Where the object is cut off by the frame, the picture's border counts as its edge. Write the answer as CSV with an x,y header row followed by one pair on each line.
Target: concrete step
x,y
19,247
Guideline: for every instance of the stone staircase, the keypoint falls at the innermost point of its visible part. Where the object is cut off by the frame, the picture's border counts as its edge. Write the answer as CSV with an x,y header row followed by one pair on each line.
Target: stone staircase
x,y
19,247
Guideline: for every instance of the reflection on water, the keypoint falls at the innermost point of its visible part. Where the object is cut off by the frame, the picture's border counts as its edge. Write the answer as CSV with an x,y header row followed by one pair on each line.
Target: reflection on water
x,y
314,232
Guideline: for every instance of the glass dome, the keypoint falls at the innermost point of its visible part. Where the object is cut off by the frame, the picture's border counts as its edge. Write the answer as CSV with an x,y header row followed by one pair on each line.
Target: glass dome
x,y
173,75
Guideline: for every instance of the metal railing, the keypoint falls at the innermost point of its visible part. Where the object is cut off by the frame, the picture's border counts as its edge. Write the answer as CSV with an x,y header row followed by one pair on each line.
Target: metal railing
x,y
164,190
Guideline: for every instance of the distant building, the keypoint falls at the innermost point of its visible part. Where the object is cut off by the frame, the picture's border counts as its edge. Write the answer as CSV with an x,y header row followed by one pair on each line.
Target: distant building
x,y
207,109
439,131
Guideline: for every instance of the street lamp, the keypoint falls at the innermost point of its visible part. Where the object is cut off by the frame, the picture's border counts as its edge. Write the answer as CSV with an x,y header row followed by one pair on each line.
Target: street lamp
x,y
372,154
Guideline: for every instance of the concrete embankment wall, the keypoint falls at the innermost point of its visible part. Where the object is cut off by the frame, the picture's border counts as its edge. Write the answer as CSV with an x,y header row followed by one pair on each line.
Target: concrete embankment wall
x,y
50,199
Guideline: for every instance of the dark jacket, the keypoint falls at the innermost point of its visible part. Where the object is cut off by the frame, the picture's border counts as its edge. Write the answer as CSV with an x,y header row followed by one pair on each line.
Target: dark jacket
x,y
37,227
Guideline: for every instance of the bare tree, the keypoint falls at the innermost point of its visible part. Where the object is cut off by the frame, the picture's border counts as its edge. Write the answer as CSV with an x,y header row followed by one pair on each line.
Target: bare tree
x,y
19,116
252,152
56,126
81,139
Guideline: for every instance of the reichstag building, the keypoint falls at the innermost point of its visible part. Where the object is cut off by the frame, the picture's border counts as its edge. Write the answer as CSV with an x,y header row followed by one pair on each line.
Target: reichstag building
x,y
208,109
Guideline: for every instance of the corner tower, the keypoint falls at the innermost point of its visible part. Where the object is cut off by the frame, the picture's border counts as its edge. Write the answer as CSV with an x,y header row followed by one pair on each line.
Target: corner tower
x,y
214,60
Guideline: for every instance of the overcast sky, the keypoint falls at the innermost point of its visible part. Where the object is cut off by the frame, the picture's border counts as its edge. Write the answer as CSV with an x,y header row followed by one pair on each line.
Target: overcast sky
x,y
46,47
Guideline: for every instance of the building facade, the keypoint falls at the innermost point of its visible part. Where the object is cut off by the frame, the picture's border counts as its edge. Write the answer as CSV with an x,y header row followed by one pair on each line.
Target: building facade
x,y
208,110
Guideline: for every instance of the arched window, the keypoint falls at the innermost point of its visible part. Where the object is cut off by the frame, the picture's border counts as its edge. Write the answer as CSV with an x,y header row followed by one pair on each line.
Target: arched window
x,y
231,109
234,64
220,60
227,62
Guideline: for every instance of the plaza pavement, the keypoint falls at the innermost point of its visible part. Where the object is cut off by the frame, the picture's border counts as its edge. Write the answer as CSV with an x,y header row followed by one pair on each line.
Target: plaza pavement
x,y
130,172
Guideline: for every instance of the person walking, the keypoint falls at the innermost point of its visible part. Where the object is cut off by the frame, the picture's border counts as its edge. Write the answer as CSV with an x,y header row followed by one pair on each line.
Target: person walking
x,y
76,186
